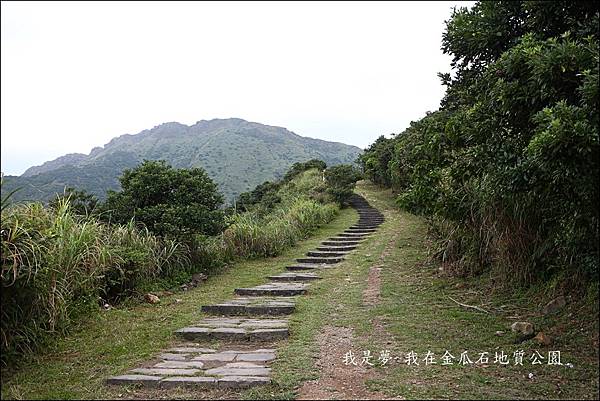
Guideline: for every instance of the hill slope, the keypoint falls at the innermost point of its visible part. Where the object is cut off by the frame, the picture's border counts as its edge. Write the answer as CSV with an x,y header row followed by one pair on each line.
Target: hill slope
x,y
237,154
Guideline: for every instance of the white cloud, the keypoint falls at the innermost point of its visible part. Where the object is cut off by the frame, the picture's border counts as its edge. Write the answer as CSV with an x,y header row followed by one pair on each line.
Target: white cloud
x,y
75,75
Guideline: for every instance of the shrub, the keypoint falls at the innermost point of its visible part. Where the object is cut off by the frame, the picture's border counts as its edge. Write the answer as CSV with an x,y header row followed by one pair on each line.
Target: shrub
x,y
176,203
341,180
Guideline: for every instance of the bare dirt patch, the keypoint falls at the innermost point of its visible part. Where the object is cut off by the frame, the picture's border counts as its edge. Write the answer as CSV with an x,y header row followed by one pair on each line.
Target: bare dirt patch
x,y
339,381
371,293
373,289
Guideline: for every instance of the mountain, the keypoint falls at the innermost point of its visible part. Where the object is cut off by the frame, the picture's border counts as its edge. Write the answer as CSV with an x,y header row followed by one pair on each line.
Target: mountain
x,y
236,154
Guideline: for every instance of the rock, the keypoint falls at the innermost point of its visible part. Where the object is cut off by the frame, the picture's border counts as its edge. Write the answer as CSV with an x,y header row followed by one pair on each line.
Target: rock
x,y
524,329
543,339
151,298
199,277
554,306
499,333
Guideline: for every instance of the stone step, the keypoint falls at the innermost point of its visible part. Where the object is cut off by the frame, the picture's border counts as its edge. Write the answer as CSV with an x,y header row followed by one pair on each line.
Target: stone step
x,y
309,266
360,230
227,368
367,226
236,329
352,235
278,289
320,254
318,260
253,306
295,277
336,247
344,240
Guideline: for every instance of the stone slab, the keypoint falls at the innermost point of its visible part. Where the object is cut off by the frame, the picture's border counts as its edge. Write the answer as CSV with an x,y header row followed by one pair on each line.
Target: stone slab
x,y
143,380
294,277
188,381
282,289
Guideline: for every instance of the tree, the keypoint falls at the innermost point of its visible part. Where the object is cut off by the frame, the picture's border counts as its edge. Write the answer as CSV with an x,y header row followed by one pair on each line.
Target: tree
x,y
341,180
171,202
298,168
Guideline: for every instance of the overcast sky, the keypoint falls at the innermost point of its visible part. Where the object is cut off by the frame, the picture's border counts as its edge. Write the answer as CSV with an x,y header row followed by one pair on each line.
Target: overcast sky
x,y
75,75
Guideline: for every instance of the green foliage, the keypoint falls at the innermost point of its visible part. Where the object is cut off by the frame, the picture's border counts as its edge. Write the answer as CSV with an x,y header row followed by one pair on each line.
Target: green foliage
x,y
265,193
341,180
59,263
298,168
508,167
375,159
80,202
268,228
56,265
175,203
236,154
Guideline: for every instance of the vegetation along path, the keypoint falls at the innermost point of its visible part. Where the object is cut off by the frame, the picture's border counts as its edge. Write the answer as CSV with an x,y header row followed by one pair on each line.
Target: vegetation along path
x,y
354,316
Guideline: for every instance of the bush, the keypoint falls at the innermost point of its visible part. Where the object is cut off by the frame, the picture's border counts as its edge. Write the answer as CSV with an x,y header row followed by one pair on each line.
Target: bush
x,y
56,265
509,164
341,181
175,203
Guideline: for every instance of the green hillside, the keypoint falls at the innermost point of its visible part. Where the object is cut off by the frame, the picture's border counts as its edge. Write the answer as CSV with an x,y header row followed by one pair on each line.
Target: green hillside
x,y
237,154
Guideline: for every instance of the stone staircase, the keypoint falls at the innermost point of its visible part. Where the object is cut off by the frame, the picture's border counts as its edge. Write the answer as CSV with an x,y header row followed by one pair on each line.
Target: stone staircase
x,y
247,325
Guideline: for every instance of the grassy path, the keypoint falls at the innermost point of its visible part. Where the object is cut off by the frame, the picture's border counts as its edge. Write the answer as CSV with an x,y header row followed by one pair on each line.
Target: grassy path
x,y
414,313
385,296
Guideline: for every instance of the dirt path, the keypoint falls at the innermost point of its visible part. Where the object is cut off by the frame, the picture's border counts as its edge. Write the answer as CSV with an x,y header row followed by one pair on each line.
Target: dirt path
x,y
337,380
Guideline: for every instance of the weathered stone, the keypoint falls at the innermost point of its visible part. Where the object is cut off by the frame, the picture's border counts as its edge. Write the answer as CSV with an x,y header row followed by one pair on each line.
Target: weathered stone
x,y
352,235
256,357
346,248
144,380
554,306
269,334
329,260
283,289
253,306
325,254
294,277
219,321
242,381
543,339
242,365
190,381
165,371
151,298
225,371
343,242
522,328
229,333
219,356
193,333
180,364
173,357
308,266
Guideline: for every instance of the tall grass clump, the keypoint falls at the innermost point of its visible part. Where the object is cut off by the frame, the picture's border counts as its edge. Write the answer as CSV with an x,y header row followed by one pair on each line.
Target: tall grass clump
x,y
251,235
57,265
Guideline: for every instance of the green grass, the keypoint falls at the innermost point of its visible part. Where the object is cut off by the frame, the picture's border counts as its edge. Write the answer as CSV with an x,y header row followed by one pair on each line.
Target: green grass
x,y
418,316
415,308
119,339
